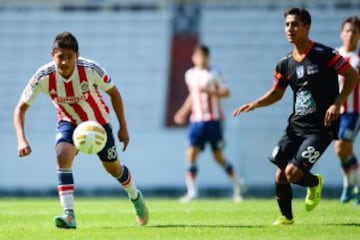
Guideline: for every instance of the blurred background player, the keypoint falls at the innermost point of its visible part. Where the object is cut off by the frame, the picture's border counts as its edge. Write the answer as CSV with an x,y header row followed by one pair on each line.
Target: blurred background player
x,y
311,70
349,117
206,88
73,84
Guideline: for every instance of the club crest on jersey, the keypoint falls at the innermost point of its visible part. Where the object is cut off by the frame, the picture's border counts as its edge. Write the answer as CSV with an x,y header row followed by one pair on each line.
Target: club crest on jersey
x,y
312,69
84,86
300,71
106,79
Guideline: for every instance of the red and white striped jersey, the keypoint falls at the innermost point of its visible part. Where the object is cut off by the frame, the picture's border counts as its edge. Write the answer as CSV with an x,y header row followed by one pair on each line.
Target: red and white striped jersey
x,y
77,98
205,107
352,103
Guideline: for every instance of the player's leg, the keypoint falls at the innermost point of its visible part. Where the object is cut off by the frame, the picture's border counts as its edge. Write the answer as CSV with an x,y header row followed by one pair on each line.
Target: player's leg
x,y
192,153
121,173
349,127
298,171
284,198
65,153
238,187
196,145
282,153
350,167
214,134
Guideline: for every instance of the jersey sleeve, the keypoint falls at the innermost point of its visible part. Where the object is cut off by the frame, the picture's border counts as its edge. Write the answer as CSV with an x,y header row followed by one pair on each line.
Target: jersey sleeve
x,y
220,80
33,89
187,77
337,62
101,77
279,79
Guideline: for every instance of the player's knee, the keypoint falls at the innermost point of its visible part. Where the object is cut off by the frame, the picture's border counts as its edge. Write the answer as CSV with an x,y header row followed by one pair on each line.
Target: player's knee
x,y
114,168
293,173
65,153
342,153
343,149
280,177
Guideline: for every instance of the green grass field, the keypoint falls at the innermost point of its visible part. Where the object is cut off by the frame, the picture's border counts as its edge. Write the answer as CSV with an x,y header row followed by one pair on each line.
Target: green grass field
x,y
110,218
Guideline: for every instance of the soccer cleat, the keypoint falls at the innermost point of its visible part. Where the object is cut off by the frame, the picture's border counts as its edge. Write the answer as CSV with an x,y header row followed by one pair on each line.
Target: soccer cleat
x,y
347,194
238,198
188,198
142,212
282,220
65,221
313,195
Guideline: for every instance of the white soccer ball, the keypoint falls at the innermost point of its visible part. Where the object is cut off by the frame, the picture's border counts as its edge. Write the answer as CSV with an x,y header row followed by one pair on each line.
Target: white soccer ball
x,y
89,137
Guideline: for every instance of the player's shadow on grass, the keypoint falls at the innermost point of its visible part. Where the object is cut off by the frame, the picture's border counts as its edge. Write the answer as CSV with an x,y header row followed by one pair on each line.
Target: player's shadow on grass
x,y
344,224
204,226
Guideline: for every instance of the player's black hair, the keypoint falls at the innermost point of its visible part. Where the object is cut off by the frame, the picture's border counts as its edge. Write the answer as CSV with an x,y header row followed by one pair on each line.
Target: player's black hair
x,y
203,48
353,20
65,40
302,13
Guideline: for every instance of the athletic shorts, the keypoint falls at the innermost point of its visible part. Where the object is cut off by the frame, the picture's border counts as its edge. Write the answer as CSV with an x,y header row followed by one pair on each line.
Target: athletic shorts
x,y
208,131
301,150
64,132
349,126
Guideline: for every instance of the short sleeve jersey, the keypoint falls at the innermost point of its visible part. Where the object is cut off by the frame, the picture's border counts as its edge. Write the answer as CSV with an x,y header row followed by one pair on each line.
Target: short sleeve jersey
x,y
205,107
77,98
352,103
314,81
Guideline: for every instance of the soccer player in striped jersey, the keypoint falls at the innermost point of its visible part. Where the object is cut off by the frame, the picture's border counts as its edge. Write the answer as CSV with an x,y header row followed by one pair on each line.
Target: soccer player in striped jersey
x,y
311,70
206,88
73,84
349,113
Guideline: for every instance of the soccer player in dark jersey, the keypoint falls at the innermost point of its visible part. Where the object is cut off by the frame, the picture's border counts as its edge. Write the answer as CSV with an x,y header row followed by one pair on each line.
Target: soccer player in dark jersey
x,y
311,70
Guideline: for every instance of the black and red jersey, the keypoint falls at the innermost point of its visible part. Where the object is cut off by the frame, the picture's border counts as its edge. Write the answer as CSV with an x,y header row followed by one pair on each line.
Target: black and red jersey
x,y
314,81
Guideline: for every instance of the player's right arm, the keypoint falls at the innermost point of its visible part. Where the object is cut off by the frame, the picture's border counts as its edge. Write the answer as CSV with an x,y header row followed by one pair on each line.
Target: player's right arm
x,y
273,95
270,97
24,148
181,115
31,92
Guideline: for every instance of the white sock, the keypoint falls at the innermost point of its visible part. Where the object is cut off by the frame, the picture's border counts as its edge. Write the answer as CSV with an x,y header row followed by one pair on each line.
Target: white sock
x,y
191,186
66,196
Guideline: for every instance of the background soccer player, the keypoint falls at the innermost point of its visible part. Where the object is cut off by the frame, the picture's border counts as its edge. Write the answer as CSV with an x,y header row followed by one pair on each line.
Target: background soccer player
x,y
311,70
73,83
349,118
206,88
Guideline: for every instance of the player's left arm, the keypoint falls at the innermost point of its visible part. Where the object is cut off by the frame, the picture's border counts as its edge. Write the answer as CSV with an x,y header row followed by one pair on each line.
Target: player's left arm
x,y
333,112
118,106
220,90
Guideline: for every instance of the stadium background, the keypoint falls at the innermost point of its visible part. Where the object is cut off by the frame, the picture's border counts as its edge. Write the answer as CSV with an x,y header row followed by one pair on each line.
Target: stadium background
x,y
145,45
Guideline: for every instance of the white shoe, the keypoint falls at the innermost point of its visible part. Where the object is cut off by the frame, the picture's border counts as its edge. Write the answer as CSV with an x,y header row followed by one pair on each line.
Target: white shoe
x,y
188,198
237,196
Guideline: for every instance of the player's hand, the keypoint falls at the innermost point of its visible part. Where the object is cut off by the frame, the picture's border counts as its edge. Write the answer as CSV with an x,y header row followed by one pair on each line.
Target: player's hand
x,y
244,108
123,136
24,148
332,114
209,91
180,118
